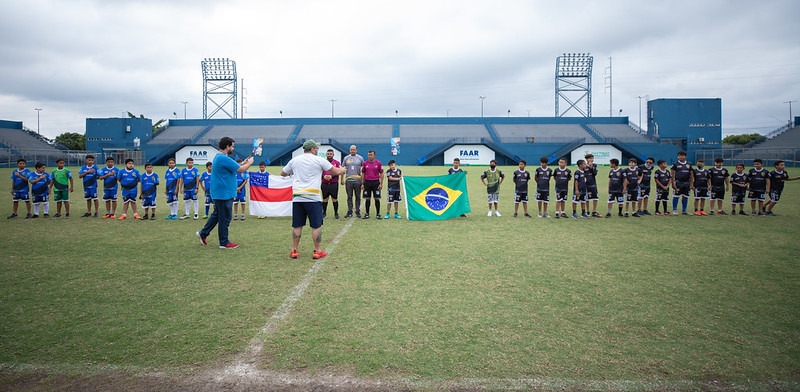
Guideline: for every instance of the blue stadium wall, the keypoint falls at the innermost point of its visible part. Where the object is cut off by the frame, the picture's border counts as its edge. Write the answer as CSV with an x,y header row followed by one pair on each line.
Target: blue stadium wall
x,y
692,123
117,133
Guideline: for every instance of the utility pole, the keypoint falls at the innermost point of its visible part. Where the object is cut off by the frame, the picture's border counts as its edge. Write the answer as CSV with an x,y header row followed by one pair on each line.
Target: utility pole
x,y
332,103
184,108
611,91
40,132
791,119
640,111
482,98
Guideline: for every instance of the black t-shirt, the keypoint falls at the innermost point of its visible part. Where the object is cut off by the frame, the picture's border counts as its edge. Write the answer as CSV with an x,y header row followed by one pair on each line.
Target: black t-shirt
x,y
543,178
758,180
580,179
647,173
777,179
683,171
718,177
591,175
615,180
632,175
742,179
562,177
662,177
700,178
393,184
521,178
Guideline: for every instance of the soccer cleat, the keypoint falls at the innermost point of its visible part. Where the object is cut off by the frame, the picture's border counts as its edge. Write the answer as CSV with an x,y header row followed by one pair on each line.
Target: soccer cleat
x,y
608,215
336,215
366,216
497,213
674,212
387,216
490,213
201,238
241,219
557,216
397,216
260,217
320,254
540,215
585,215
769,213
46,216
235,217
645,212
28,216
294,254
112,216
742,213
626,214
142,218
136,216
348,215
620,214
515,215
186,216
575,215
197,217
95,215
358,214
596,215
697,213
86,215
703,213
711,212
106,216
527,215
56,216
34,216
463,215
206,217
636,214
378,216
229,245
66,216
12,216
152,216
123,217
658,213
720,212
324,215
168,217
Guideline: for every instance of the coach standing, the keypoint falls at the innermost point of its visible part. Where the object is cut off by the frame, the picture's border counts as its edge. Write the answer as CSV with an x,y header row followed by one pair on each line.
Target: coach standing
x,y
223,190
352,180
306,195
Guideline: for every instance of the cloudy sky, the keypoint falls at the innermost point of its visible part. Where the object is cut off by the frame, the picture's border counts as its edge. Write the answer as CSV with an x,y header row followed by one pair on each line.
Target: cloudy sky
x,y
87,58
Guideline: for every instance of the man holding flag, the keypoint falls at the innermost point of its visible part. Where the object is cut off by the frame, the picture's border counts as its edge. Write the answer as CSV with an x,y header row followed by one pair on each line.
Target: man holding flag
x,y
306,195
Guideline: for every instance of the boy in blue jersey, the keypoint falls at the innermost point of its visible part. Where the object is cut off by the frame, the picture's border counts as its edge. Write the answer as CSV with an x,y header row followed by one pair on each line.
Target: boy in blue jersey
x,y
579,193
777,178
542,177
718,177
19,187
89,174
205,184
663,183
739,183
40,190
149,185
173,178
615,182
681,182
129,180
108,175
521,178
561,176
393,176
644,187
189,177
241,191
759,184
700,186
632,177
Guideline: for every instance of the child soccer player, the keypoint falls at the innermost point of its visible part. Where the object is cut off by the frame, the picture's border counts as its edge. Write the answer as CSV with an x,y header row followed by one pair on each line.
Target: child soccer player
x,y
521,178
644,188
700,186
562,175
663,183
189,176
456,169
19,187
615,182
241,191
492,179
262,168
591,184
579,193
173,179
149,185
542,176
739,189
759,184
109,176
681,182
205,183
776,179
719,184
62,182
40,190
393,176
129,178
89,174
632,177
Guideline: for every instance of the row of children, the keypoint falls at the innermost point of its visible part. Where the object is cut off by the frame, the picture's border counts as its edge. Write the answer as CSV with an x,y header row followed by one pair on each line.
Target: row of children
x,y
631,187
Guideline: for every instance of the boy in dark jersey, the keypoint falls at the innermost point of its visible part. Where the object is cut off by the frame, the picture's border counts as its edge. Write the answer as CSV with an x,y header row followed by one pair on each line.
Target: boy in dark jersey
x,y
521,178
700,186
562,175
644,187
542,176
663,183
591,184
615,180
719,184
739,181
393,176
776,179
632,177
681,182
579,194
759,184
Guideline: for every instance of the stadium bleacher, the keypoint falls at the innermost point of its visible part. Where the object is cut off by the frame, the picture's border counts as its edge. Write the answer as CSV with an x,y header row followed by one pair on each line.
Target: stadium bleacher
x,y
785,146
19,143
270,133
543,133
175,134
346,132
620,132
440,133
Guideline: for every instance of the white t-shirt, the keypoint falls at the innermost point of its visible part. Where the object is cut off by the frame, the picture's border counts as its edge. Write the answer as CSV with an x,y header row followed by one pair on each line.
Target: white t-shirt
x,y
307,174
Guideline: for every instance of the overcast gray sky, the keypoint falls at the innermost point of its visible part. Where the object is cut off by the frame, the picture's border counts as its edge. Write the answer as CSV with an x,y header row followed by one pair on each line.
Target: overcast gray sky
x,y
87,58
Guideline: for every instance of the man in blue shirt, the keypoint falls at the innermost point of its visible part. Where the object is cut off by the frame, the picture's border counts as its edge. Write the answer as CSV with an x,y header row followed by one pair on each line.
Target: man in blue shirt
x,y
89,174
223,190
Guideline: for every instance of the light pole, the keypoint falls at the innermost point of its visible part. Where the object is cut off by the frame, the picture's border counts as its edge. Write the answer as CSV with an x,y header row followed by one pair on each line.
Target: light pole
x,y
482,98
332,101
184,108
529,112
791,119
40,132
640,111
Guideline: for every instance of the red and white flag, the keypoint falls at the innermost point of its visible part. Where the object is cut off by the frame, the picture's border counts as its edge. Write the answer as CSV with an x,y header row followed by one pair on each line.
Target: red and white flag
x,y
270,195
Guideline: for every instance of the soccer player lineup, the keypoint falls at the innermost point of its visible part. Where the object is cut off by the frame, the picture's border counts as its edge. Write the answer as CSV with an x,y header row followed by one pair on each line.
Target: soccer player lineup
x,y
629,189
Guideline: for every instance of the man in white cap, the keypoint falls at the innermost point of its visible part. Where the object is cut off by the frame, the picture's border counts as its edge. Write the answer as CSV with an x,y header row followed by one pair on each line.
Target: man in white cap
x,y
306,170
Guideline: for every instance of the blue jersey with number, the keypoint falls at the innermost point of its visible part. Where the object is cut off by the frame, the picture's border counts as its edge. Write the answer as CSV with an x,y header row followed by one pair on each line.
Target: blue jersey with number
x,y
149,182
110,182
206,179
171,177
189,177
20,184
41,187
90,179
129,179
240,177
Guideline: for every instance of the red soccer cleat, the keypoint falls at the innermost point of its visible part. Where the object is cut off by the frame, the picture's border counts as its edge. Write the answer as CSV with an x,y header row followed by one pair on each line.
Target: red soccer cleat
x,y
230,245
320,255
202,239
294,254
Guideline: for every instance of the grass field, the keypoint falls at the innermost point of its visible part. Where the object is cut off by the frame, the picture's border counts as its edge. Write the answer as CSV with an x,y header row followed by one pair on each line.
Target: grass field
x,y
677,300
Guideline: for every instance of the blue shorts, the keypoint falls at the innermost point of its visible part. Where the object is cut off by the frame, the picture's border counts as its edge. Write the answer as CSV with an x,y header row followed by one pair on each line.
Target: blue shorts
x,y
90,194
172,197
43,198
110,194
241,197
189,195
149,201
21,195
129,196
311,210
208,199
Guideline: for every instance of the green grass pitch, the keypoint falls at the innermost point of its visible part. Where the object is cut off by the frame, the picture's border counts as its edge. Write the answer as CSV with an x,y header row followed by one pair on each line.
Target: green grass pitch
x,y
672,299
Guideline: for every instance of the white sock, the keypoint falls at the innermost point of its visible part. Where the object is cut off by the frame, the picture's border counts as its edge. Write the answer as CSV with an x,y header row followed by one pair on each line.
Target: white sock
x,y
36,209
196,206
187,203
47,207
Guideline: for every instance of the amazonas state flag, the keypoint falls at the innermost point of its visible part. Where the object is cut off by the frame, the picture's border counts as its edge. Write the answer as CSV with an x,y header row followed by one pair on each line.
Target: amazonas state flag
x,y
270,195
436,198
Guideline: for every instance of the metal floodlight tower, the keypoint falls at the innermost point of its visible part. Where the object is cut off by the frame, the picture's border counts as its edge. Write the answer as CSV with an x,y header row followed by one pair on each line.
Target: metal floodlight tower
x,y
574,83
219,79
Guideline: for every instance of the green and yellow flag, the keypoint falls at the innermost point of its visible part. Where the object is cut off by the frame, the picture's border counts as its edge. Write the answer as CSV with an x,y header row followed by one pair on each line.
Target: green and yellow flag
x,y
436,198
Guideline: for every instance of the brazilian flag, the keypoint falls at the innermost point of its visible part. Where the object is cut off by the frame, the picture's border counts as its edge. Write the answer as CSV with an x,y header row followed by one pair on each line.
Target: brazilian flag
x,y
436,198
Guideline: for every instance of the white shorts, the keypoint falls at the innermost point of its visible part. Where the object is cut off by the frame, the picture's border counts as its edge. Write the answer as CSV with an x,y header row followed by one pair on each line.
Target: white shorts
x,y
494,197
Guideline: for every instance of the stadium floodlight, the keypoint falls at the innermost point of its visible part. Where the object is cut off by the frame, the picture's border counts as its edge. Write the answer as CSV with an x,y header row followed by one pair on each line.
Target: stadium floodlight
x,y
39,131
573,83
219,79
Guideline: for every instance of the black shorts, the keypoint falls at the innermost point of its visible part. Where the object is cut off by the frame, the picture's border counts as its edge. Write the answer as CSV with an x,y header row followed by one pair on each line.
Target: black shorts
x,y
543,196
311,210
591,192
644,191
330,190
371,188
755,195
775,195
632,194
520,197
683,189
738,197
662,194
717,193
616,196
701,193
561,195
580,197
393,196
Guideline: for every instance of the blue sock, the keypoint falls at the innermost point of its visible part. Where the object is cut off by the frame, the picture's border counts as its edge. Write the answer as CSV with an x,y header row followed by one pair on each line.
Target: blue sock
x,y
674,204
207,209
684,202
